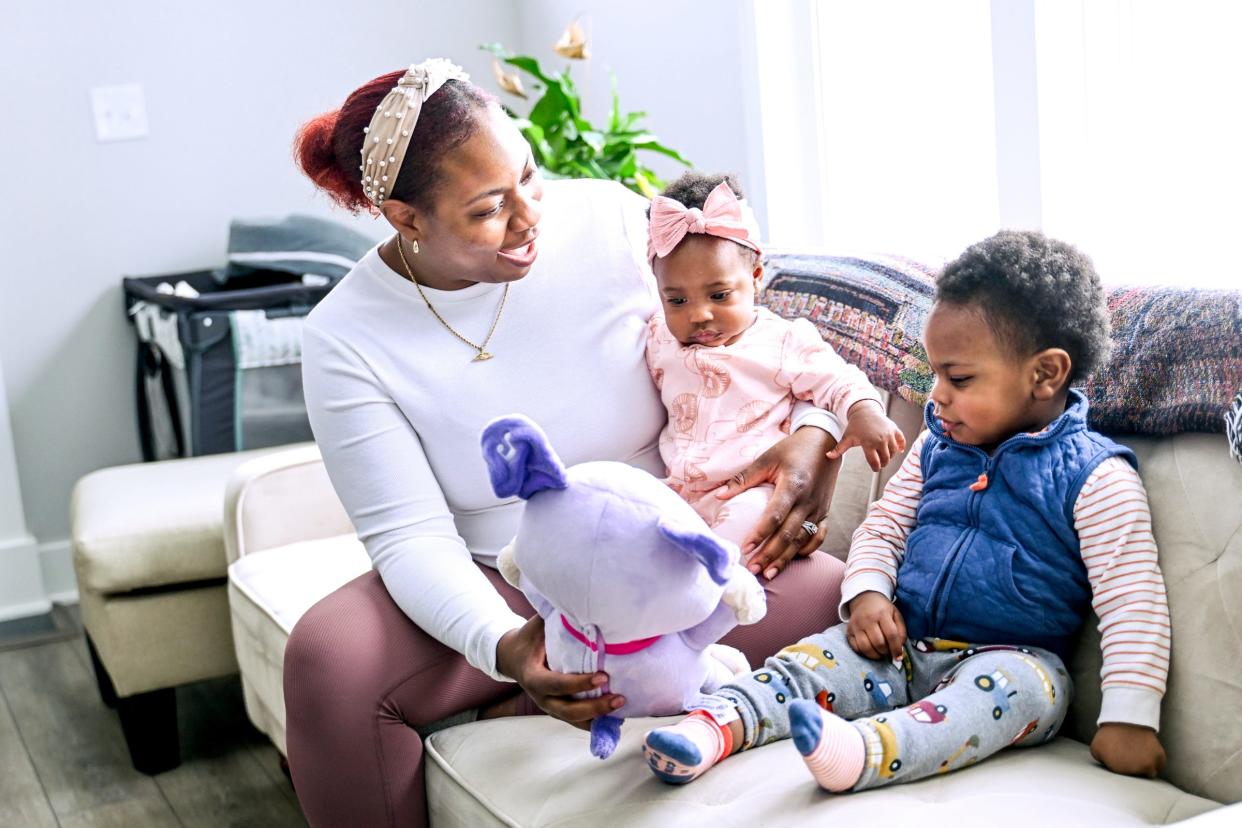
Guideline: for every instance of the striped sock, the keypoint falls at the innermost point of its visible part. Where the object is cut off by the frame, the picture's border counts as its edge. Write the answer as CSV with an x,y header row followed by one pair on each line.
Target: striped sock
x,y
832,749
683,752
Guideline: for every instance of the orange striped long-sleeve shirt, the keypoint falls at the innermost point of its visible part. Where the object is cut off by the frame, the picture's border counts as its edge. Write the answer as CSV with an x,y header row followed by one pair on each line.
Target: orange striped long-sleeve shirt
x,y
1113,523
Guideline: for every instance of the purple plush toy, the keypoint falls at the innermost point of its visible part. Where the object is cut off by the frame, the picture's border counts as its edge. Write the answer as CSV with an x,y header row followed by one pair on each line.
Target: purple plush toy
x,y
628,578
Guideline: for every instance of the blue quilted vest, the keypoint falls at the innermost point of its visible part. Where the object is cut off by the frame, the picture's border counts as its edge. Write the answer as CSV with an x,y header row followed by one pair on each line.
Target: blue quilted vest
x,y
1000,564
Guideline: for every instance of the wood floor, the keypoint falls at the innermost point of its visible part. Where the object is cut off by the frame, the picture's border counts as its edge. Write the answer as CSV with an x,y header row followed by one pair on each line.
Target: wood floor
x,y
63,760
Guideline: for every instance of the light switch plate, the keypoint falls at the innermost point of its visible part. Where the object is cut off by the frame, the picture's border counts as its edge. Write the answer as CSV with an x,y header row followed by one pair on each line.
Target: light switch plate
x,y
120,112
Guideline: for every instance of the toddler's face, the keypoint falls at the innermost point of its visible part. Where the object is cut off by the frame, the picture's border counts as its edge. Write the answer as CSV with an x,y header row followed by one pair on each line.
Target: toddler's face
x,y
983,392
708,291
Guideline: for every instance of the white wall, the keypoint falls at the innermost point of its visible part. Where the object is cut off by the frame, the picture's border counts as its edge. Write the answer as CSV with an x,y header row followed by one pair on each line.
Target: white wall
x,y
679,60
226,85
22,590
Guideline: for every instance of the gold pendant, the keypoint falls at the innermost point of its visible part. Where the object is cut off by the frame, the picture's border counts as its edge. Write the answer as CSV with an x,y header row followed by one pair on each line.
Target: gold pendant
x,y
482,356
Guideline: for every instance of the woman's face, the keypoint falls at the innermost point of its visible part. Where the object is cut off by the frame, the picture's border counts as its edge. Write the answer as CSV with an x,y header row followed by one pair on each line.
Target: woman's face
x,y
484,220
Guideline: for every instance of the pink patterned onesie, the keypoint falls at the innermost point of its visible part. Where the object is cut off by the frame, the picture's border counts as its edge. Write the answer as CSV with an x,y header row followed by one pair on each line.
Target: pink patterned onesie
x,y
727,405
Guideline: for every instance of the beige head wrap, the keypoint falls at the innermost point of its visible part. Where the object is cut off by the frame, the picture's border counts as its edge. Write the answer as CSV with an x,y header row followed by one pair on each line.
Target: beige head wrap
x,y
385,141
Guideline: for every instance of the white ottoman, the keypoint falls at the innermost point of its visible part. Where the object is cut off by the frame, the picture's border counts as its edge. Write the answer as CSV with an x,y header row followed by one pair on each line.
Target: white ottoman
x,y
148,552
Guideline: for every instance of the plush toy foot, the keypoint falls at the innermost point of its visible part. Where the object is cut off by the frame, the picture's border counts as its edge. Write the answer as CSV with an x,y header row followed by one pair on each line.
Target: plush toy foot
x,y
731,657
745,596
685,751
833,750
605,733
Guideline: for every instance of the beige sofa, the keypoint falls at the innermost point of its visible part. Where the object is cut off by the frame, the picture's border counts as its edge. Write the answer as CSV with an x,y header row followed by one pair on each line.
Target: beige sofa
x,y
535,771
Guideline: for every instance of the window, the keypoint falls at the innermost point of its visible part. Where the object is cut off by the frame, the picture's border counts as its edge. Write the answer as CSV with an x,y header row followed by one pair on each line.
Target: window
x,y
919,127
1141,136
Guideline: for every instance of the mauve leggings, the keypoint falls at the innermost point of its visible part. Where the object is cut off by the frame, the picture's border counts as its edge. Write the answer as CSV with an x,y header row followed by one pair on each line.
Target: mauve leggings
x,y
359,675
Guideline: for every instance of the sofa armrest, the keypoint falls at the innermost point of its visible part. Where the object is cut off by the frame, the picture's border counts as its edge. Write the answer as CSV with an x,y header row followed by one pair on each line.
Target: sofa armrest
x,y
279,499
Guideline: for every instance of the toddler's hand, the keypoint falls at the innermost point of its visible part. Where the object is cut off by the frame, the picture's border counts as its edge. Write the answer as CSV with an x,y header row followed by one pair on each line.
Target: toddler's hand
x,y
876,629
868,427
1129,749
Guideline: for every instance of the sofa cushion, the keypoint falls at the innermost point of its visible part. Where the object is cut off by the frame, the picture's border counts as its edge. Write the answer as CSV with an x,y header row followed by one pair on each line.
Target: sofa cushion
x,y
1195,491
534,771
268,593
152,524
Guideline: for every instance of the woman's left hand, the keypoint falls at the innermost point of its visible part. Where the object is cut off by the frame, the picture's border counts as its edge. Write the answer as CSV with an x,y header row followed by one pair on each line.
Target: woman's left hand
x,y
804,479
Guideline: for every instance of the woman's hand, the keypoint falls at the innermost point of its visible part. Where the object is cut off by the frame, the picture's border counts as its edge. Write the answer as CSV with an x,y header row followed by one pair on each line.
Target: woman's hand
x,y
804,478
521,656
1129,749
876,629
869,428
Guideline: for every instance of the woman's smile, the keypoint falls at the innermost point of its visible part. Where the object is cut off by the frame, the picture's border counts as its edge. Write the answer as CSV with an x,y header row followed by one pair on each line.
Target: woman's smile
x,y
520,257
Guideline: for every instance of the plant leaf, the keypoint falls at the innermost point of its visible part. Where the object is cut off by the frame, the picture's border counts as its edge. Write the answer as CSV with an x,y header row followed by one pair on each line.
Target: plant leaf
x,y
510,82
573,43
645,185
656,146
614,113
550,109
593,139
565,143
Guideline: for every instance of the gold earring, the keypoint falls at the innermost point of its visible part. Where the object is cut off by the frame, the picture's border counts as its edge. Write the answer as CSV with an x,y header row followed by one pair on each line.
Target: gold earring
x,y
414,245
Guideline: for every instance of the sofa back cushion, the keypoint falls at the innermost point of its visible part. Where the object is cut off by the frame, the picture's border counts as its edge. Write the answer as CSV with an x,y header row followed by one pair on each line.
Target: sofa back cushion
x,y
1195,491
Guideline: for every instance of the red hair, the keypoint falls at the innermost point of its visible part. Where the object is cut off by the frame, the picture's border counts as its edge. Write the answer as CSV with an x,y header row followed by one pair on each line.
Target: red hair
x,y
328,148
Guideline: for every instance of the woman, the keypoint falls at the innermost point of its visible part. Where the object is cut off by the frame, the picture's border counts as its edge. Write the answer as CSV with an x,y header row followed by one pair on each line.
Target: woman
x,y
496,294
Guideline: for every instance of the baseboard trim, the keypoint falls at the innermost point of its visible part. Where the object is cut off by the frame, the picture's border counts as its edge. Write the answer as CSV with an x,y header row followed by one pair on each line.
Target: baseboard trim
x,y
13,611
22,591
38,576
56,561
69,596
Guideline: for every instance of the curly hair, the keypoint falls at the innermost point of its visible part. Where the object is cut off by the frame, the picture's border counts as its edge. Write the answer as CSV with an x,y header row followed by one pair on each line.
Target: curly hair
x,y
1035,293
692,190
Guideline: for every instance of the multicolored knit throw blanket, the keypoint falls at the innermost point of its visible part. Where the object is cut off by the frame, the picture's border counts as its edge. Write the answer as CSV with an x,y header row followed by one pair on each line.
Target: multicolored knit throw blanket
x,y
1175,366
871,310
1176,362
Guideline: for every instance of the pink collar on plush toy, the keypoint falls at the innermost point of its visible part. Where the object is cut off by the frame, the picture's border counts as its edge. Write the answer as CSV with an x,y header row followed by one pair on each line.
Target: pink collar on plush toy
x,y
624,648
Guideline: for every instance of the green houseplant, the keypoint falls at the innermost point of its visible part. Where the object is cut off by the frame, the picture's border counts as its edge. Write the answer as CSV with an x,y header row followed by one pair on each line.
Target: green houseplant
x,y
564,142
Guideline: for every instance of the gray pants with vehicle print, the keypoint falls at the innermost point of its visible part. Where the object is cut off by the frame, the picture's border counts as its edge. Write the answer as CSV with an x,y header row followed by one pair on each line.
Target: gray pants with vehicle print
x,y
948,704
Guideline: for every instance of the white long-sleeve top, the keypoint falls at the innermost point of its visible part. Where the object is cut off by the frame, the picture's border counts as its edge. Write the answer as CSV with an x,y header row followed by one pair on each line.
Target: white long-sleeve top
x,y
397,405
1113,523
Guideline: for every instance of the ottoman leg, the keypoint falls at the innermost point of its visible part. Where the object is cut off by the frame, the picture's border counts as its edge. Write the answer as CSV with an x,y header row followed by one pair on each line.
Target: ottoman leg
x,y
149,721
106,691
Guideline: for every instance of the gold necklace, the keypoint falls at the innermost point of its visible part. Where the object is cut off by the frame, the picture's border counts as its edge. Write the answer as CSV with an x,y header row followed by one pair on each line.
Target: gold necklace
x,y
482,354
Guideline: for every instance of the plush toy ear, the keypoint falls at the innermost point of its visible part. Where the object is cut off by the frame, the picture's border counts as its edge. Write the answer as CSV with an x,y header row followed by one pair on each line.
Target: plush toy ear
x,y
519,458
702,544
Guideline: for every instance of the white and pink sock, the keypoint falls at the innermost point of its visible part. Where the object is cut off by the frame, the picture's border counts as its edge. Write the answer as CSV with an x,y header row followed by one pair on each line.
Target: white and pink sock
x,y
832,748
683,752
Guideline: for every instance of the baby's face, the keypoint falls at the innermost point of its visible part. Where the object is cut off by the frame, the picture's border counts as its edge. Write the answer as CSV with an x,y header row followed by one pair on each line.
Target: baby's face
x,y
707,286
983,392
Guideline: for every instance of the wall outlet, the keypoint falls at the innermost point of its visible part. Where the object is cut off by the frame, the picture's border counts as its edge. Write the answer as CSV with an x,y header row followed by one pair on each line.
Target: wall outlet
x,y
120,112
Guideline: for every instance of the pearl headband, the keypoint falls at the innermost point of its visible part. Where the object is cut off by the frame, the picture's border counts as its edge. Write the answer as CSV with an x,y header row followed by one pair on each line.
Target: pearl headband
x,y
385,141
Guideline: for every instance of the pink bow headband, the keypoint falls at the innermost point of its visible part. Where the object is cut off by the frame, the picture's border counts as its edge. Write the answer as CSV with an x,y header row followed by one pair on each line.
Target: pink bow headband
x,y
723,215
